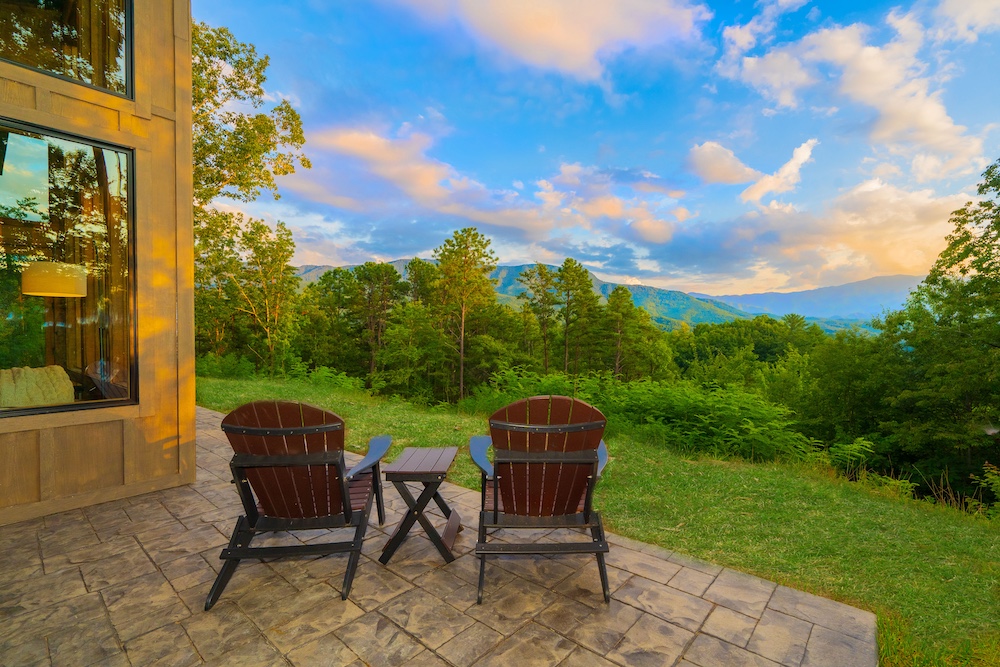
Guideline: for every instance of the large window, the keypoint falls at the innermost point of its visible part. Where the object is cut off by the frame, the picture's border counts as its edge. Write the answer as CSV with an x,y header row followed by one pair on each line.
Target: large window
x,y
66,306
80,39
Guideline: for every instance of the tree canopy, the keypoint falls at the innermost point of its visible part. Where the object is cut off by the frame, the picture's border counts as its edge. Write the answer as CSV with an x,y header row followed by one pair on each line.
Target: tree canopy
x,y
237,150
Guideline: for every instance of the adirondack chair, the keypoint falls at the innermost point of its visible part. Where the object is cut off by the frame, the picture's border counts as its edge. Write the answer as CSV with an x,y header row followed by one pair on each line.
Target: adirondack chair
x,y
547,456
289,470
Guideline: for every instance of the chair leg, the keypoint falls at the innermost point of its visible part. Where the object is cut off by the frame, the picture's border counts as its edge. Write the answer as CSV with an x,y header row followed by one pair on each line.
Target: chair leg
x,y
597,531
482,558
604,577
482,578
379,502
242,534
359,540
225,574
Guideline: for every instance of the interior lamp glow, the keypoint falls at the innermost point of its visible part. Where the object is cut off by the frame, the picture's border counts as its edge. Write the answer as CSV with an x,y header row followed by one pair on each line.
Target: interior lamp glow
x,y
54,279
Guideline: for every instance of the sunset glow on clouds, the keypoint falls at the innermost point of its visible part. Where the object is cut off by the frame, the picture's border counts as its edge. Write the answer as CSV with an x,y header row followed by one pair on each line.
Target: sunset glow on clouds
x,y
783,146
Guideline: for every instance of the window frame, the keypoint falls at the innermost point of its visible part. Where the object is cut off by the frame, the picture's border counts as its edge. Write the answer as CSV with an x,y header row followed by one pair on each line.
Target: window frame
x,y
133,388
129,50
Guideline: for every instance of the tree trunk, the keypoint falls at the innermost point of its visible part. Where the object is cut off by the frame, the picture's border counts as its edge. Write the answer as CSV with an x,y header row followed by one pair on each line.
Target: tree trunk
x,y
461,356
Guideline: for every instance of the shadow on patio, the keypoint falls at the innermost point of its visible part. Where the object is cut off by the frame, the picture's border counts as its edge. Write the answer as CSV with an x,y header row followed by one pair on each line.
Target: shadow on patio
x,y
125,583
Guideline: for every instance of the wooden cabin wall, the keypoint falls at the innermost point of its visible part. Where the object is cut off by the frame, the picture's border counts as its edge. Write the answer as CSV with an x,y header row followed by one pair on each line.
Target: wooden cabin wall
x,y
64,460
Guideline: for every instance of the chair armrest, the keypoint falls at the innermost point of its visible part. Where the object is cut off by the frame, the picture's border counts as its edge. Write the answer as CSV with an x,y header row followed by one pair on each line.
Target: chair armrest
x,y
478,444
602,457
377,447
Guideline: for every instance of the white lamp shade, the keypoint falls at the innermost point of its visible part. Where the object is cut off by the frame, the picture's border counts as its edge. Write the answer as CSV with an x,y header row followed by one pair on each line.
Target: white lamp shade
x,y
54,279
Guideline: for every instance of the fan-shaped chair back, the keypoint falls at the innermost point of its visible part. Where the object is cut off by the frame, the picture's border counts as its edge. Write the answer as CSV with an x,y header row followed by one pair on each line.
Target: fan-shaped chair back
x,y
545,451
307,491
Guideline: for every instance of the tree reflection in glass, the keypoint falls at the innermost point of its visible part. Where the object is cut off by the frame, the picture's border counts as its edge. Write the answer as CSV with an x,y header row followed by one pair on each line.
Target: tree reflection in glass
x,y
66,202
82,40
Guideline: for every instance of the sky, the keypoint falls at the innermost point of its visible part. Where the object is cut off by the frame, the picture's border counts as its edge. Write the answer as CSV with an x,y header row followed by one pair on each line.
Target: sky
x,y
723,148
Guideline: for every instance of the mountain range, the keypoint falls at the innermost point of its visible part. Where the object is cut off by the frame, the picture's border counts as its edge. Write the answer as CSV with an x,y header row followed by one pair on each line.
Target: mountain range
x,y
860,300
832,308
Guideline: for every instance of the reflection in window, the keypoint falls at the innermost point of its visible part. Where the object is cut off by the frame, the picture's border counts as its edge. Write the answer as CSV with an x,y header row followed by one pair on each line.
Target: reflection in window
x,y
65,309
84,40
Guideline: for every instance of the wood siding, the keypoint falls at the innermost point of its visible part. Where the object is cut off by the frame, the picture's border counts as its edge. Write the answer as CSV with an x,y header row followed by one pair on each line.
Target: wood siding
x,y
55,462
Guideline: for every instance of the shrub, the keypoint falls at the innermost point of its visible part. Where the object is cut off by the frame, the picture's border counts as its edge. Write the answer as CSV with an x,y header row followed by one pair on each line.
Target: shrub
x,y
229,366
684,416
331,378
850,458
990,481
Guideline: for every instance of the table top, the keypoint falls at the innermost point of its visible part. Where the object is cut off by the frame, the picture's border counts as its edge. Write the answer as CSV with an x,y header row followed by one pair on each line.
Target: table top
x,y
421,461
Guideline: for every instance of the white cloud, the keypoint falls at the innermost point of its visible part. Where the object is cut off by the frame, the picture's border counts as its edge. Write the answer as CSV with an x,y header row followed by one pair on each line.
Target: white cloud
x,y
966,19
739,39
569,37
783,180
912,119
779,74
715,163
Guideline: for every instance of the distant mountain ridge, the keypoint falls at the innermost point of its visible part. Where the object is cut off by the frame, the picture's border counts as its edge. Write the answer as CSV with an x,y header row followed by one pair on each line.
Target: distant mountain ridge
x,y
668,308
861,300
832,308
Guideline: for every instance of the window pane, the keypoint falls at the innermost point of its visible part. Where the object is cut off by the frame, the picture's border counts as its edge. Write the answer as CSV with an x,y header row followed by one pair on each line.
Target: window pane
x,y
65,309
81,40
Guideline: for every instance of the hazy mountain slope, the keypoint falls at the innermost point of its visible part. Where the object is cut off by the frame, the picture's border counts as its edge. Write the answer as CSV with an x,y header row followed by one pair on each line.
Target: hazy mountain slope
x,y
860,300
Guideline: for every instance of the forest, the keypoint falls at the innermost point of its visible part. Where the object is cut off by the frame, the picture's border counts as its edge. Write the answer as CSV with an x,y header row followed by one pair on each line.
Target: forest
x,y
913,403
916,400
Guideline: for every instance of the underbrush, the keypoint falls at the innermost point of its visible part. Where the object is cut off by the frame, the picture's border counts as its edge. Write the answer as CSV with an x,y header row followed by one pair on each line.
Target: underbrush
x,y
689,418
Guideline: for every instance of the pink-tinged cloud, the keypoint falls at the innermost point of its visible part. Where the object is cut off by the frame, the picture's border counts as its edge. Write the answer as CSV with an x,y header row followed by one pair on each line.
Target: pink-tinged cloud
x,y
569,37
399,161
714,163
873,229
783,180
577,197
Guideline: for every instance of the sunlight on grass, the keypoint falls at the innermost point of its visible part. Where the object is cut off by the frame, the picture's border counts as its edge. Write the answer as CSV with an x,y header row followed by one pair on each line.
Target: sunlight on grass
x,y
932,575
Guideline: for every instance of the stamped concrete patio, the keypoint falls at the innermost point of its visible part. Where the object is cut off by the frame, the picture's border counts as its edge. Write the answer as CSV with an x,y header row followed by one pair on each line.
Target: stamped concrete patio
x,y
125,582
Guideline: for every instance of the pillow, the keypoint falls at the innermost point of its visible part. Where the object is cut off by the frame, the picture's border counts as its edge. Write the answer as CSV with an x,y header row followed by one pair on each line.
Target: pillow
x,y
33,387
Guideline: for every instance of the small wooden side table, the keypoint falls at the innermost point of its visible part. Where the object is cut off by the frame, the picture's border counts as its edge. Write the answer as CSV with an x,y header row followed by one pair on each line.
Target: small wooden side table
x,y
429,466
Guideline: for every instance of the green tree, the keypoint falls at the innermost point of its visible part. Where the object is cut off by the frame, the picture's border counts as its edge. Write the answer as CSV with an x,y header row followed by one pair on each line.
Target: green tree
x,y
540,294
579,309
330,330
414,359
380,290
242,277
622,318
216,261
237,153
465,262
265,288
948,338
422,277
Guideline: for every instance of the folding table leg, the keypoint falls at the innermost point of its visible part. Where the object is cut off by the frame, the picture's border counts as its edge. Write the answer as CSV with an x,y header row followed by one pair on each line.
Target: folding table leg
x,y
415,513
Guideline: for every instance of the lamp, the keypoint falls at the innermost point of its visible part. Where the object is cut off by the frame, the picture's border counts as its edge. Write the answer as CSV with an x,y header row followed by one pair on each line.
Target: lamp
x,y
54,279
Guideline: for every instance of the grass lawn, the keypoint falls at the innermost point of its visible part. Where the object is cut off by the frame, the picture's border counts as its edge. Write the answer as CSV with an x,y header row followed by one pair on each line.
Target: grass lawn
x,y
932,575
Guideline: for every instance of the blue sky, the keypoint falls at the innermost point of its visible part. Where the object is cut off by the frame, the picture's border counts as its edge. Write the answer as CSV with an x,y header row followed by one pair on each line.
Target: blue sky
x,y
704,146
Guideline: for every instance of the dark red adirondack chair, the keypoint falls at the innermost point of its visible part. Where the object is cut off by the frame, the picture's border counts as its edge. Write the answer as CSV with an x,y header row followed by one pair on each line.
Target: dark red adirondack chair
x,y
547,456
289,470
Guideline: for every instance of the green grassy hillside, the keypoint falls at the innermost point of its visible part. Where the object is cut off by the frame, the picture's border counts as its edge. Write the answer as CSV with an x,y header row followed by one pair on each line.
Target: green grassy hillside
x,y
931,574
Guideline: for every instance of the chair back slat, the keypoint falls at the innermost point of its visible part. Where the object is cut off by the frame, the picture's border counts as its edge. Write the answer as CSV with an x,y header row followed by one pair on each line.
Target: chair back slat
x,y
295,492
545,488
